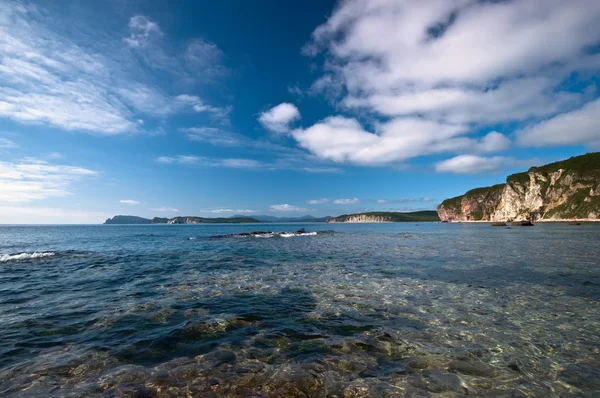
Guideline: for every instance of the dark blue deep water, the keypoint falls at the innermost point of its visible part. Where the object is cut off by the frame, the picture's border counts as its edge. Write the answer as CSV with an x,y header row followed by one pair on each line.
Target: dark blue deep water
x,y
367,310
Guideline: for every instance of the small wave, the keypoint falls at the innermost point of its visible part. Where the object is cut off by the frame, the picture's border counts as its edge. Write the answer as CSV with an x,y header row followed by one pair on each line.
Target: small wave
x,y
263,235
24,256
289,235
191,238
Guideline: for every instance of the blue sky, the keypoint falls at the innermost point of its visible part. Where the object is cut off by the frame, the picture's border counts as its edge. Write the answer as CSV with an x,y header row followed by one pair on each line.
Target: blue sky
x,y
160,108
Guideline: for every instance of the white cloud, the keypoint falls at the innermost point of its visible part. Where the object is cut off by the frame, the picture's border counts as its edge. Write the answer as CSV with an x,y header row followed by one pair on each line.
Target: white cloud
x,y
34,179
54,155
166,209
206,57
323,170
286,207
210,162
279,118
129,202
346,201
73,77
445,69
579,127
235,211
404,200
318,201
470,164
341,139
142,31
195,103
5,143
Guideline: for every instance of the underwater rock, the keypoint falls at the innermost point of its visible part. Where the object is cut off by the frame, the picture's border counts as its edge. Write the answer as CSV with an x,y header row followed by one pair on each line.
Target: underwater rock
x,y
439,382
474,368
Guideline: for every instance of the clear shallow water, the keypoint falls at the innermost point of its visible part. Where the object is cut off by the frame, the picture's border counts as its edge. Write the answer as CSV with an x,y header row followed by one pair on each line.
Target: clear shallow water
x,y
368,310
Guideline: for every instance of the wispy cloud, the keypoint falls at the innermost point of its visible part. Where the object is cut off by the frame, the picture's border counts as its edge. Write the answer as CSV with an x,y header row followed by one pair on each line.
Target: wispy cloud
x,y
166,209
404,200
5,143
34,179
210,162
233,211
82,82
287,208
129,202
142,31
280,163
472,164
346,201
318,201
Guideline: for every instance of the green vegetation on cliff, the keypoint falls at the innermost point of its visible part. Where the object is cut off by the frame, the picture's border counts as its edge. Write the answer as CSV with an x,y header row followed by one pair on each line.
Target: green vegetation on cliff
x,y
481,197
567,189
416,216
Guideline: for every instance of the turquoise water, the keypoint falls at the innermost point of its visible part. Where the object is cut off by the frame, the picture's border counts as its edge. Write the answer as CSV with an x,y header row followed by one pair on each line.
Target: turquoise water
x,y
365,310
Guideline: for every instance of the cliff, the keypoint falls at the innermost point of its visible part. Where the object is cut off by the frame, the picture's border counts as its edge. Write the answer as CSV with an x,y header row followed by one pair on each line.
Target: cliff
x,y
417,216
565,190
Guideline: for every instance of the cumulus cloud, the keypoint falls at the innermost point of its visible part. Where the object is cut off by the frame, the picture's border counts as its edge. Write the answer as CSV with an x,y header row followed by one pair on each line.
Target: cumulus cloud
x,y
342,139
166,209
129,202
444,70
318,201
286,207
34,179
346,201
579,127
279,118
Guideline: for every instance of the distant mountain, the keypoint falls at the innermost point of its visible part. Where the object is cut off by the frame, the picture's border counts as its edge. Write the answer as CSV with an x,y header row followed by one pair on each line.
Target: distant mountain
x,y
383,216
179,220
306,218
127,220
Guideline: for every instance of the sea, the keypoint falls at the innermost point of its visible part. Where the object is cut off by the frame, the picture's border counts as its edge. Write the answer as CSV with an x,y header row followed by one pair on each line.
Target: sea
x,y
355,310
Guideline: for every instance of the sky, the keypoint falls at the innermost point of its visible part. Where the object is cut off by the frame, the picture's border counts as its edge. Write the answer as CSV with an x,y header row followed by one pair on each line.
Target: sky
x,y
214,109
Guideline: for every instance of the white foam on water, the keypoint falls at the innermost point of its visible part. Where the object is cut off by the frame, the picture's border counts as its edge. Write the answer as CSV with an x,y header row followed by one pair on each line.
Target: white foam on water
x,y
263,235
24,256
289,235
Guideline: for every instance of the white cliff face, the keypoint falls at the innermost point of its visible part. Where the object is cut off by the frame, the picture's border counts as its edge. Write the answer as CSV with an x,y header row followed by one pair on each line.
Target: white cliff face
x,y
519,201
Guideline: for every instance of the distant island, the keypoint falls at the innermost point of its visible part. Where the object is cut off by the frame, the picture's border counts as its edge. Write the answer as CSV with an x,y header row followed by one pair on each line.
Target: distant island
x,y
381,216
568,190
179,220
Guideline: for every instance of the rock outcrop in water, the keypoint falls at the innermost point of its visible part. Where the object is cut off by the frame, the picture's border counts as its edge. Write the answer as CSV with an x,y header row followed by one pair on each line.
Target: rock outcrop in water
x,y
565,190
